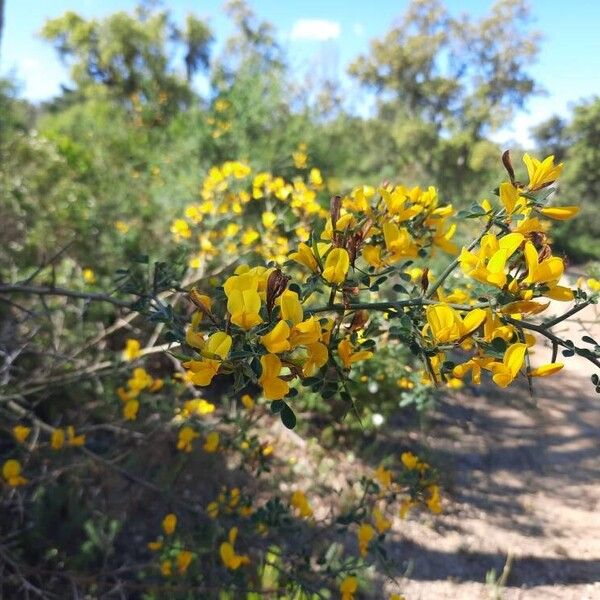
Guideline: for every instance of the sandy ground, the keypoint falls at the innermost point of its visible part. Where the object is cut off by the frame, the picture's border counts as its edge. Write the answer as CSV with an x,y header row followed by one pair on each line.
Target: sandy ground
x,y
521,479
524,480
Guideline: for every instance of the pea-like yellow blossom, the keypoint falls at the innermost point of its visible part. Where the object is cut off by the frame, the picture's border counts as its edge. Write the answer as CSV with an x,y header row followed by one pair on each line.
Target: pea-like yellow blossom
x,y
11,471
211,444
132,349
169,524
336,266
300,502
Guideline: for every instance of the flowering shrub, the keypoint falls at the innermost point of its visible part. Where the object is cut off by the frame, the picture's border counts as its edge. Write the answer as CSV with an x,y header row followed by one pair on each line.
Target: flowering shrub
x,y
313,298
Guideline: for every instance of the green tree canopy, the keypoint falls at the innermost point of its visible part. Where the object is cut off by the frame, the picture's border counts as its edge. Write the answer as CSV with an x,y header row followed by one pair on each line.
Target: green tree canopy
x,y
129,57
444,83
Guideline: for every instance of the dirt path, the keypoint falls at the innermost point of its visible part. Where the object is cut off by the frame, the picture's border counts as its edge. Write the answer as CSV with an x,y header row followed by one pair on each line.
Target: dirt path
x,y
524,480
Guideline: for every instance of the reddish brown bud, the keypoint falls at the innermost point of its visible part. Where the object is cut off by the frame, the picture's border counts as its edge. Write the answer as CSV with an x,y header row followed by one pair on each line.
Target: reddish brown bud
x,y
335,206
359,320
425,279
545,252
508,165
276,285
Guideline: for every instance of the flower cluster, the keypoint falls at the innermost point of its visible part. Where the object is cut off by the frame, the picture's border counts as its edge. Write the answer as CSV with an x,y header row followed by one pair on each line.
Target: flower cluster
x,y
311,320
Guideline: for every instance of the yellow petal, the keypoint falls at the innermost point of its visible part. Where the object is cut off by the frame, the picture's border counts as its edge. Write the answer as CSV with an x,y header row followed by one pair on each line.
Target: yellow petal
x,y
545,370
277,340
560,213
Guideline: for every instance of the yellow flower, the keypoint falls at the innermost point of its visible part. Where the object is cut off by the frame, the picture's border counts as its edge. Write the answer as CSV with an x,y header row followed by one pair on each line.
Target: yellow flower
x,y
130,410
305,333
348,587
222,105
365,534
405,383
169,524
211,444
140,381
405,507
291,308
383,476
181,230
72,439
132,350
122,227
20,433
505,372
398,242
216,349
409,460
381,523
247,401
559,292
372,256
336,266
156,545
230,558
348,356
198,406
165,568
305,257
489,263
243,300
278,339
317,357
560,213
593,284
473,366
446,325
11,471
545,370
274,388
301,504
541,174
250,236
434,502
300,157
548,271
184,559
510,198
57,439
185,438
268,219
212,510
315,178
156,385
89,276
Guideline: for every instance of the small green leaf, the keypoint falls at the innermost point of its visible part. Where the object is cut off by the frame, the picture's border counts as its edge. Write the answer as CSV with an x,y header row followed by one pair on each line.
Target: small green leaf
x,y
288,418
277,406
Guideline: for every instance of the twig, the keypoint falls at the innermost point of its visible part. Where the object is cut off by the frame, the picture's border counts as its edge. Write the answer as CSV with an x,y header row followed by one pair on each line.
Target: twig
x,y
56,291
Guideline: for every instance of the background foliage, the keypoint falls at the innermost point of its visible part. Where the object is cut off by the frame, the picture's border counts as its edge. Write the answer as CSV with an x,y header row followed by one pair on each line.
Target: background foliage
x,y
92,184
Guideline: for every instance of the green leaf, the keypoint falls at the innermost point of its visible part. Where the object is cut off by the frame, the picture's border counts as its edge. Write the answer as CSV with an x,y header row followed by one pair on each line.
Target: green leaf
x,y
288,418
277,406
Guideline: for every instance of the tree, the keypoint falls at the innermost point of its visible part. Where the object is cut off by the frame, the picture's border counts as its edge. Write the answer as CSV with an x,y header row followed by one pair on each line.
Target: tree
x,y
581,180
551,137
445,83
129,56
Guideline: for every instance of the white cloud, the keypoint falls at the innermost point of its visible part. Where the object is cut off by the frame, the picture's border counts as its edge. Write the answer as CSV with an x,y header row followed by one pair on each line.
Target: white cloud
x,y
315,29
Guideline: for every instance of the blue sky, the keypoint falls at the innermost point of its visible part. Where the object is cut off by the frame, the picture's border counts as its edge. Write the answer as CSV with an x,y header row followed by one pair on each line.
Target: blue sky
x,y
323,36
